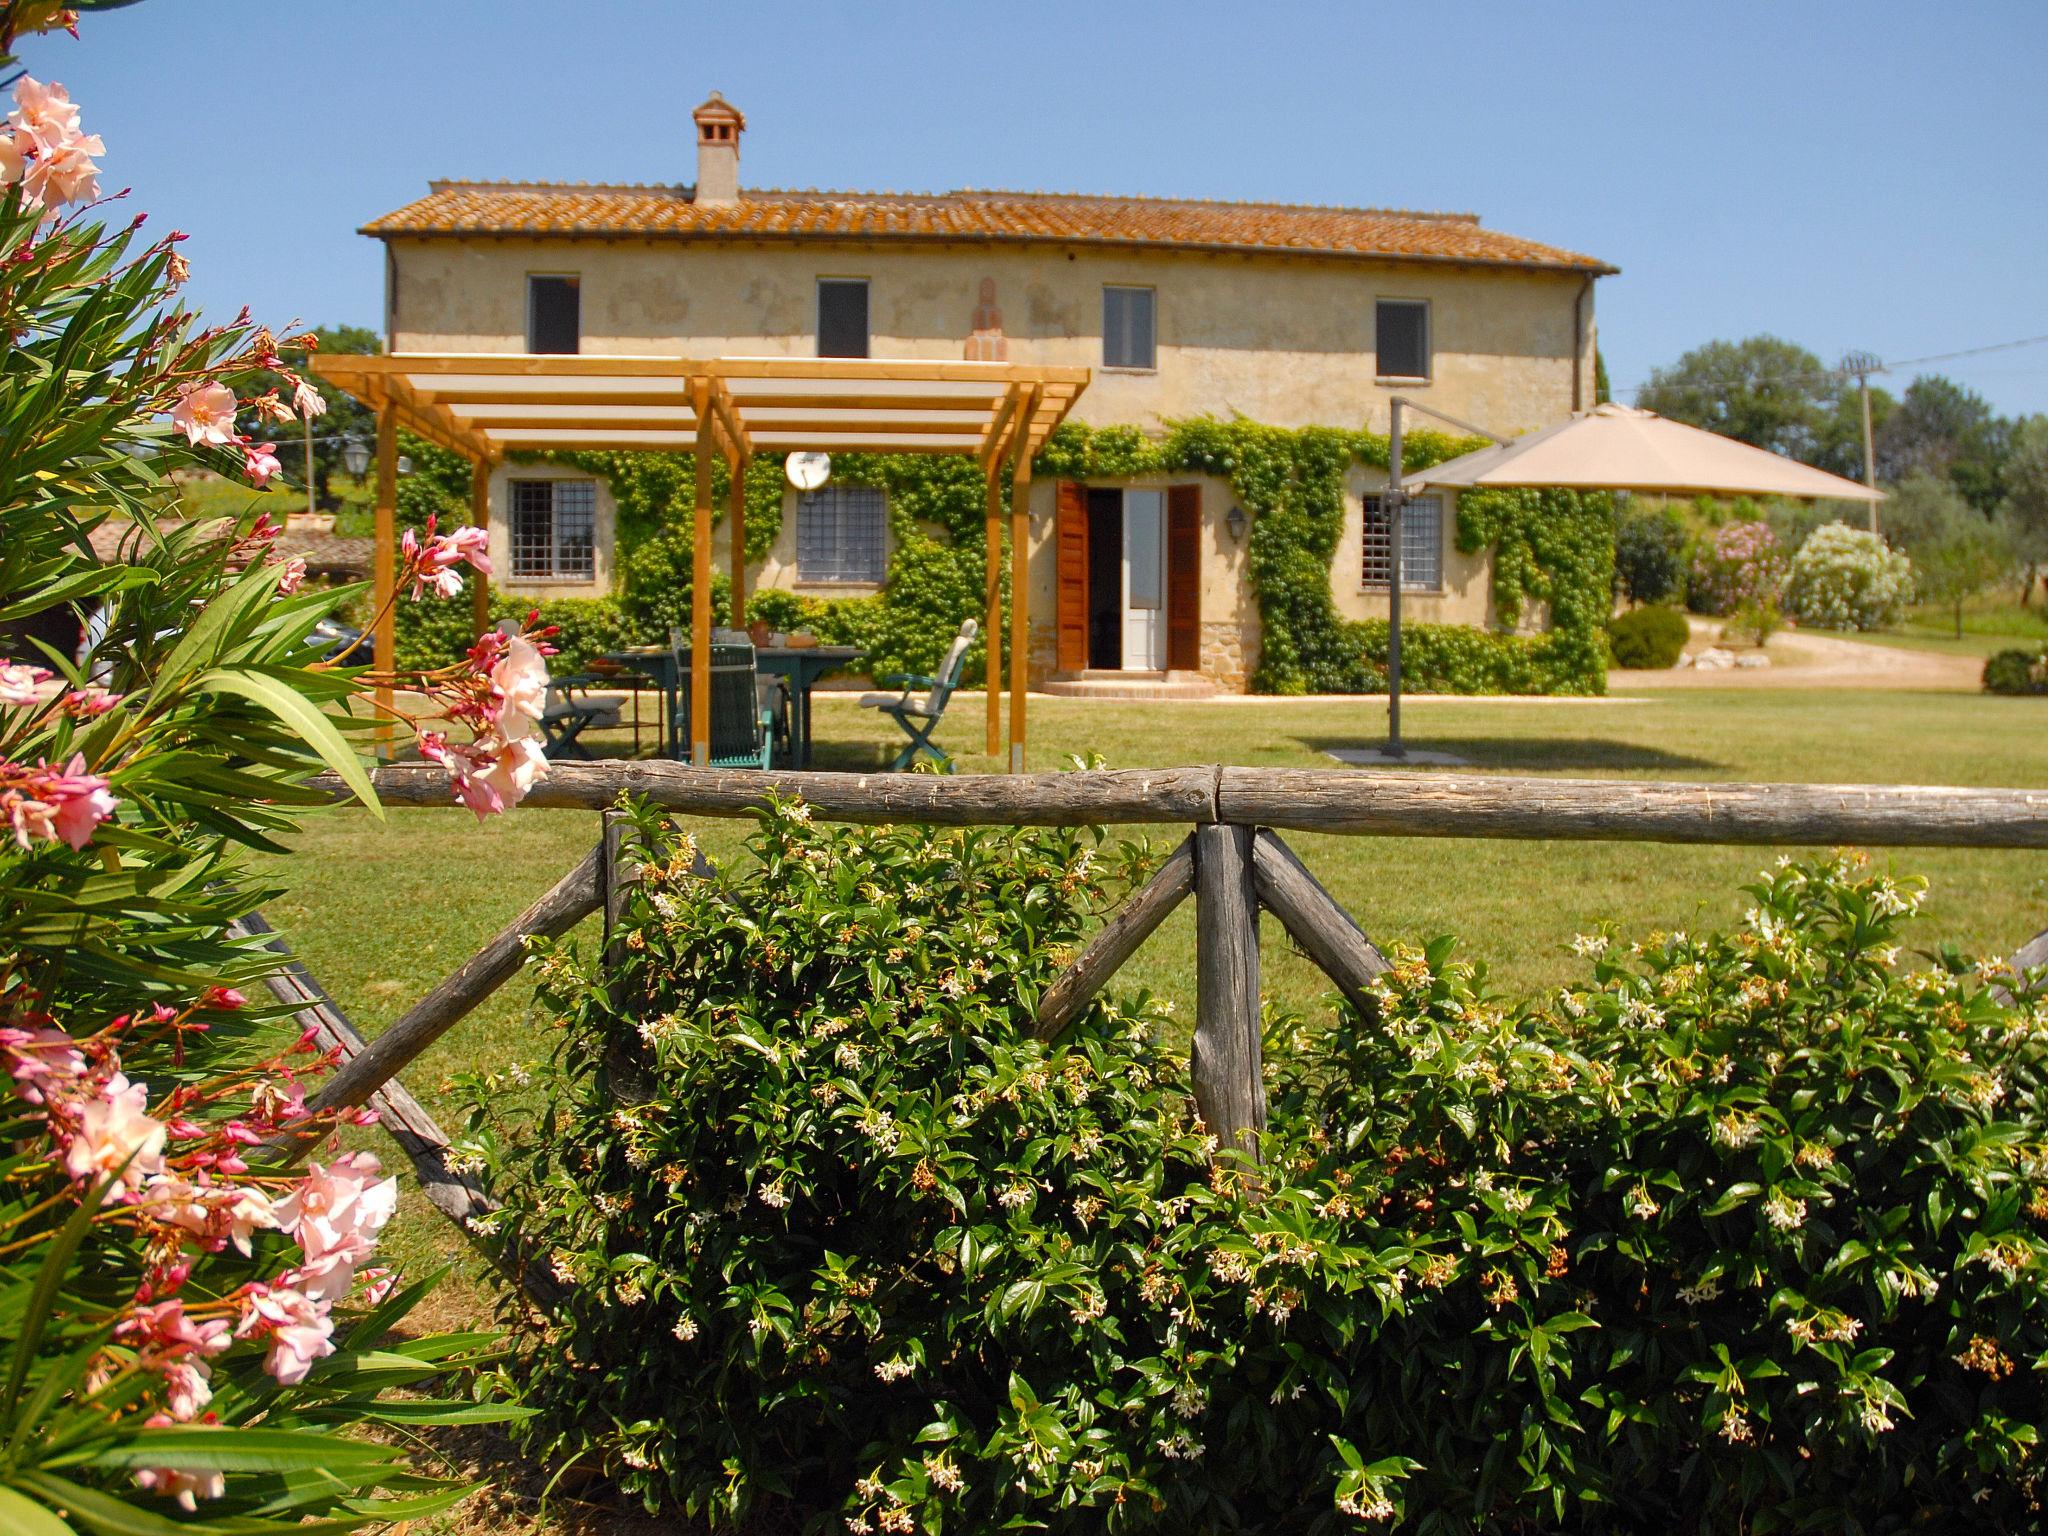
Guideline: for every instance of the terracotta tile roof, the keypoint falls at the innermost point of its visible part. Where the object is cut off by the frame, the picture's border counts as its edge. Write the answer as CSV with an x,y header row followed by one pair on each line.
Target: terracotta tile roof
x,y
499,208
325,554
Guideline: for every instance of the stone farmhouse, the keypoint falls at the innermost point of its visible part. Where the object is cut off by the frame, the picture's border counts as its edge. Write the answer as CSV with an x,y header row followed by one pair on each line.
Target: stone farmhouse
x,y
1284,314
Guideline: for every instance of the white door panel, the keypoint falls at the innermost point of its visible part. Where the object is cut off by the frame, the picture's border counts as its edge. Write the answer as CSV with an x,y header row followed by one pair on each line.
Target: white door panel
x,y
1144,581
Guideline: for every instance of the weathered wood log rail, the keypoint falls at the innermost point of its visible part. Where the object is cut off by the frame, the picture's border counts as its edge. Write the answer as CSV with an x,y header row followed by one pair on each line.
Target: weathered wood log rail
x,y
1233,863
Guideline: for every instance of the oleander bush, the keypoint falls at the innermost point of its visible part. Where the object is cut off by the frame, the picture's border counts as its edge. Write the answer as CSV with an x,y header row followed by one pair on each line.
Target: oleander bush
x,y
1847,578
1740,1232
1736,566
1648,638
2016,672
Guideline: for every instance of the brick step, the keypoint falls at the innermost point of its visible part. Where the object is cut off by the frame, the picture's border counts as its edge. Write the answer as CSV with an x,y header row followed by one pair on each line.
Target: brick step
x,y
1129,685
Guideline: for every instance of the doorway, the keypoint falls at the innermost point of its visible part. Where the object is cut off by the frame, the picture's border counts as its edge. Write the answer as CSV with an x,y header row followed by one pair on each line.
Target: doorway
x,y
1126,580
1129,577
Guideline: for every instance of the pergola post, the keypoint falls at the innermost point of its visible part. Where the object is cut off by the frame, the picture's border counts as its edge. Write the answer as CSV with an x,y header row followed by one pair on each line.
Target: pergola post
x,y
736,514
384,570
480,517
1020,592
992,622
700,584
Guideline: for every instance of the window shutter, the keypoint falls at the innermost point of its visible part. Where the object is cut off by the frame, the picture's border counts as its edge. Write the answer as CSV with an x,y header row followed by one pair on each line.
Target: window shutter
x,y
1184,578
1070,554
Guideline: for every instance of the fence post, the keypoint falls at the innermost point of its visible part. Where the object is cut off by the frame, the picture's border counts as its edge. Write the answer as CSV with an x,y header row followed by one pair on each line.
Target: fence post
x,y
617,871
1229,1089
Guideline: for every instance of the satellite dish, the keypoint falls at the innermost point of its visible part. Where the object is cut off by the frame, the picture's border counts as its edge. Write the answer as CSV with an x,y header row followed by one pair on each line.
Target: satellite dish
x,y
808,471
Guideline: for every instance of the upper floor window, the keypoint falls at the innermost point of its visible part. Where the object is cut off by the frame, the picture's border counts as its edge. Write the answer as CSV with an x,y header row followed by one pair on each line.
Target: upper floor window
x,y
842,534
1401,327
842,317
1422,544
554,313
1127,328
554,529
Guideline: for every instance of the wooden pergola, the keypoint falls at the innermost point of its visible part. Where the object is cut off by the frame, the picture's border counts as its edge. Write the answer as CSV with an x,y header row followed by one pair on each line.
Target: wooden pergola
x,y
487,406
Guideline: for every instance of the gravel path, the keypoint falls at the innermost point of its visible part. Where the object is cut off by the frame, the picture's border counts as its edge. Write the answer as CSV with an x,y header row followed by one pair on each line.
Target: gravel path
x,y
1808,659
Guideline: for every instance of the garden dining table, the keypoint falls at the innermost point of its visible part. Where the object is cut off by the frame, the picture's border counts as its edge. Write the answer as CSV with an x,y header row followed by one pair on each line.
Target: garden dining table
x,y
802,665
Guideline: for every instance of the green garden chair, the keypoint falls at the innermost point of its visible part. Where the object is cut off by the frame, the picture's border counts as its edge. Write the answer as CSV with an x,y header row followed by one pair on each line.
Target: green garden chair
x,y
742,725
919,713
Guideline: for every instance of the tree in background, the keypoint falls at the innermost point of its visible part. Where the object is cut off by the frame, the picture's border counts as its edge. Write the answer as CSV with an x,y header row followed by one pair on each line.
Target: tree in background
x,y
1941,428
1603,391
2025,508
1956,551
1649,553
1763,391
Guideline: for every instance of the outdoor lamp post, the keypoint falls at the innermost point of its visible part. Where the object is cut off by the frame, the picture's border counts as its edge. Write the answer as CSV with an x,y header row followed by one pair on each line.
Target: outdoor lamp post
x,y
355,457
1395,509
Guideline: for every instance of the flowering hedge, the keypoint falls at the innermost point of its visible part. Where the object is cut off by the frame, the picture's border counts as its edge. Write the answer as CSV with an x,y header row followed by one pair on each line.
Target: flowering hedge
x,y
1847,578
188,1316
1739,1231
1738,565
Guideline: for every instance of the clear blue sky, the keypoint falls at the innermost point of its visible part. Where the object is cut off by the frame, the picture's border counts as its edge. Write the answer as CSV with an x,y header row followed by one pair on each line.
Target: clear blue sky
x,y
1842,174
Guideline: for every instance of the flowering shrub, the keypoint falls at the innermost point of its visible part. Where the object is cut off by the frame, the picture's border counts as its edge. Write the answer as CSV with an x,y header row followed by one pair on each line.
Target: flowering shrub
x,y
1740,564
1741,1232
186,1315
1846,578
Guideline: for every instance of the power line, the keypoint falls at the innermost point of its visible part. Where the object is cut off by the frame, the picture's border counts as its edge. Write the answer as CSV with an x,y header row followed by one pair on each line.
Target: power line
x,y
1836,375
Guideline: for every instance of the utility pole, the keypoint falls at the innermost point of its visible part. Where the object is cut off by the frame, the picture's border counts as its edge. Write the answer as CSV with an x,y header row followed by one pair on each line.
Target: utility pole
x,y
1862,365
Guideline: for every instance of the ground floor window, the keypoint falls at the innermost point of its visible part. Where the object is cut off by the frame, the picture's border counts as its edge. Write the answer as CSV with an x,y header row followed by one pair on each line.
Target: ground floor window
x,y
554,529
842,534
1422,544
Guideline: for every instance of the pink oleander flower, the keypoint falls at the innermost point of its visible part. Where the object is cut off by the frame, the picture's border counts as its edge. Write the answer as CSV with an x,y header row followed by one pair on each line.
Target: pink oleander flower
x,y
521,681
223,997
205,413
114,1127
214,1215
259,463
36,1057
335,1214
67,174
295,1323
293,578
13,159
516,768
377,1286
308,401
55,804
471,544
172,1346
45,113
185,1487
22,684
89,702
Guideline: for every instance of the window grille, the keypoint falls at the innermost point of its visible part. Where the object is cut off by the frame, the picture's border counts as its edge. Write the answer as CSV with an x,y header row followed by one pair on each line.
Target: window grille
x,y
554,529
1127,328
842,535
1422,544
1402,339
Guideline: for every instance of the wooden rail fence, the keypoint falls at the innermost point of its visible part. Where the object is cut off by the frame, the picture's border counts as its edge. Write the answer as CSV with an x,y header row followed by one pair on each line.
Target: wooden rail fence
x,y
1233,863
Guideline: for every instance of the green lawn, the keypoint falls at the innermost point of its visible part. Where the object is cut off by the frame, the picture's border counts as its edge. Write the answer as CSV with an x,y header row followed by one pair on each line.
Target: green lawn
x,y
1990,624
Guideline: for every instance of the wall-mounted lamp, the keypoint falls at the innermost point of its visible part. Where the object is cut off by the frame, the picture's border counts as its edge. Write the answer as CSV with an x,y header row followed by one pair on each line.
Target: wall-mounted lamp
x,y
1236,522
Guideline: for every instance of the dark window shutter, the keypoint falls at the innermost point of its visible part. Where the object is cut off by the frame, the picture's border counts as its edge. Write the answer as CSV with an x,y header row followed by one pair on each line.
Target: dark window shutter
x,y
1401,330
554,314
1184,578
1070,541
842,317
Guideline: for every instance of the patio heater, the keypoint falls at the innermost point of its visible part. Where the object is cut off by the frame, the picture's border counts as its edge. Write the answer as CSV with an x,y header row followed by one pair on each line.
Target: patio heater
x,y
1394,507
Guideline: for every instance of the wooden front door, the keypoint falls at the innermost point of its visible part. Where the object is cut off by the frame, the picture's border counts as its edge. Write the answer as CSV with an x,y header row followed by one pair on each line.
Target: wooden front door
x,y
1070,559
1184,578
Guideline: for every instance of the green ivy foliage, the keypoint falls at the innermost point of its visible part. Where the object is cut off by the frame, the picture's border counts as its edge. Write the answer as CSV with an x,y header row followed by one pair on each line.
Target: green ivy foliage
x,y
1739,1232
1552,547
1462,658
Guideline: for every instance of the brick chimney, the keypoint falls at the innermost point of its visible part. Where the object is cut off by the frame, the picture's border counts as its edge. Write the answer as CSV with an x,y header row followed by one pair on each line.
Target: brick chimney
x,y
719,126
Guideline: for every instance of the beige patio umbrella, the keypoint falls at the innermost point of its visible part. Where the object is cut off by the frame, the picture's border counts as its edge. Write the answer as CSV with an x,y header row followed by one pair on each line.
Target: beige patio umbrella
x,y
1619,448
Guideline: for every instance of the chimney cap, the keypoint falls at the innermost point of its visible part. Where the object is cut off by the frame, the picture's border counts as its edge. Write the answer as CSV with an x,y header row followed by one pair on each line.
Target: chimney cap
x,y
716,109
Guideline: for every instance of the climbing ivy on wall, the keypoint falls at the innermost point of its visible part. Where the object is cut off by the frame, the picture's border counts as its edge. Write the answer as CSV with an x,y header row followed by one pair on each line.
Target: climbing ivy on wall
x,y
1552,547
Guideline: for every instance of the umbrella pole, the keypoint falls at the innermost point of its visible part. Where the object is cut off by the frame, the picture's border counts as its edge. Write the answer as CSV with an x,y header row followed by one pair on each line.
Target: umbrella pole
x,y
1396,522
